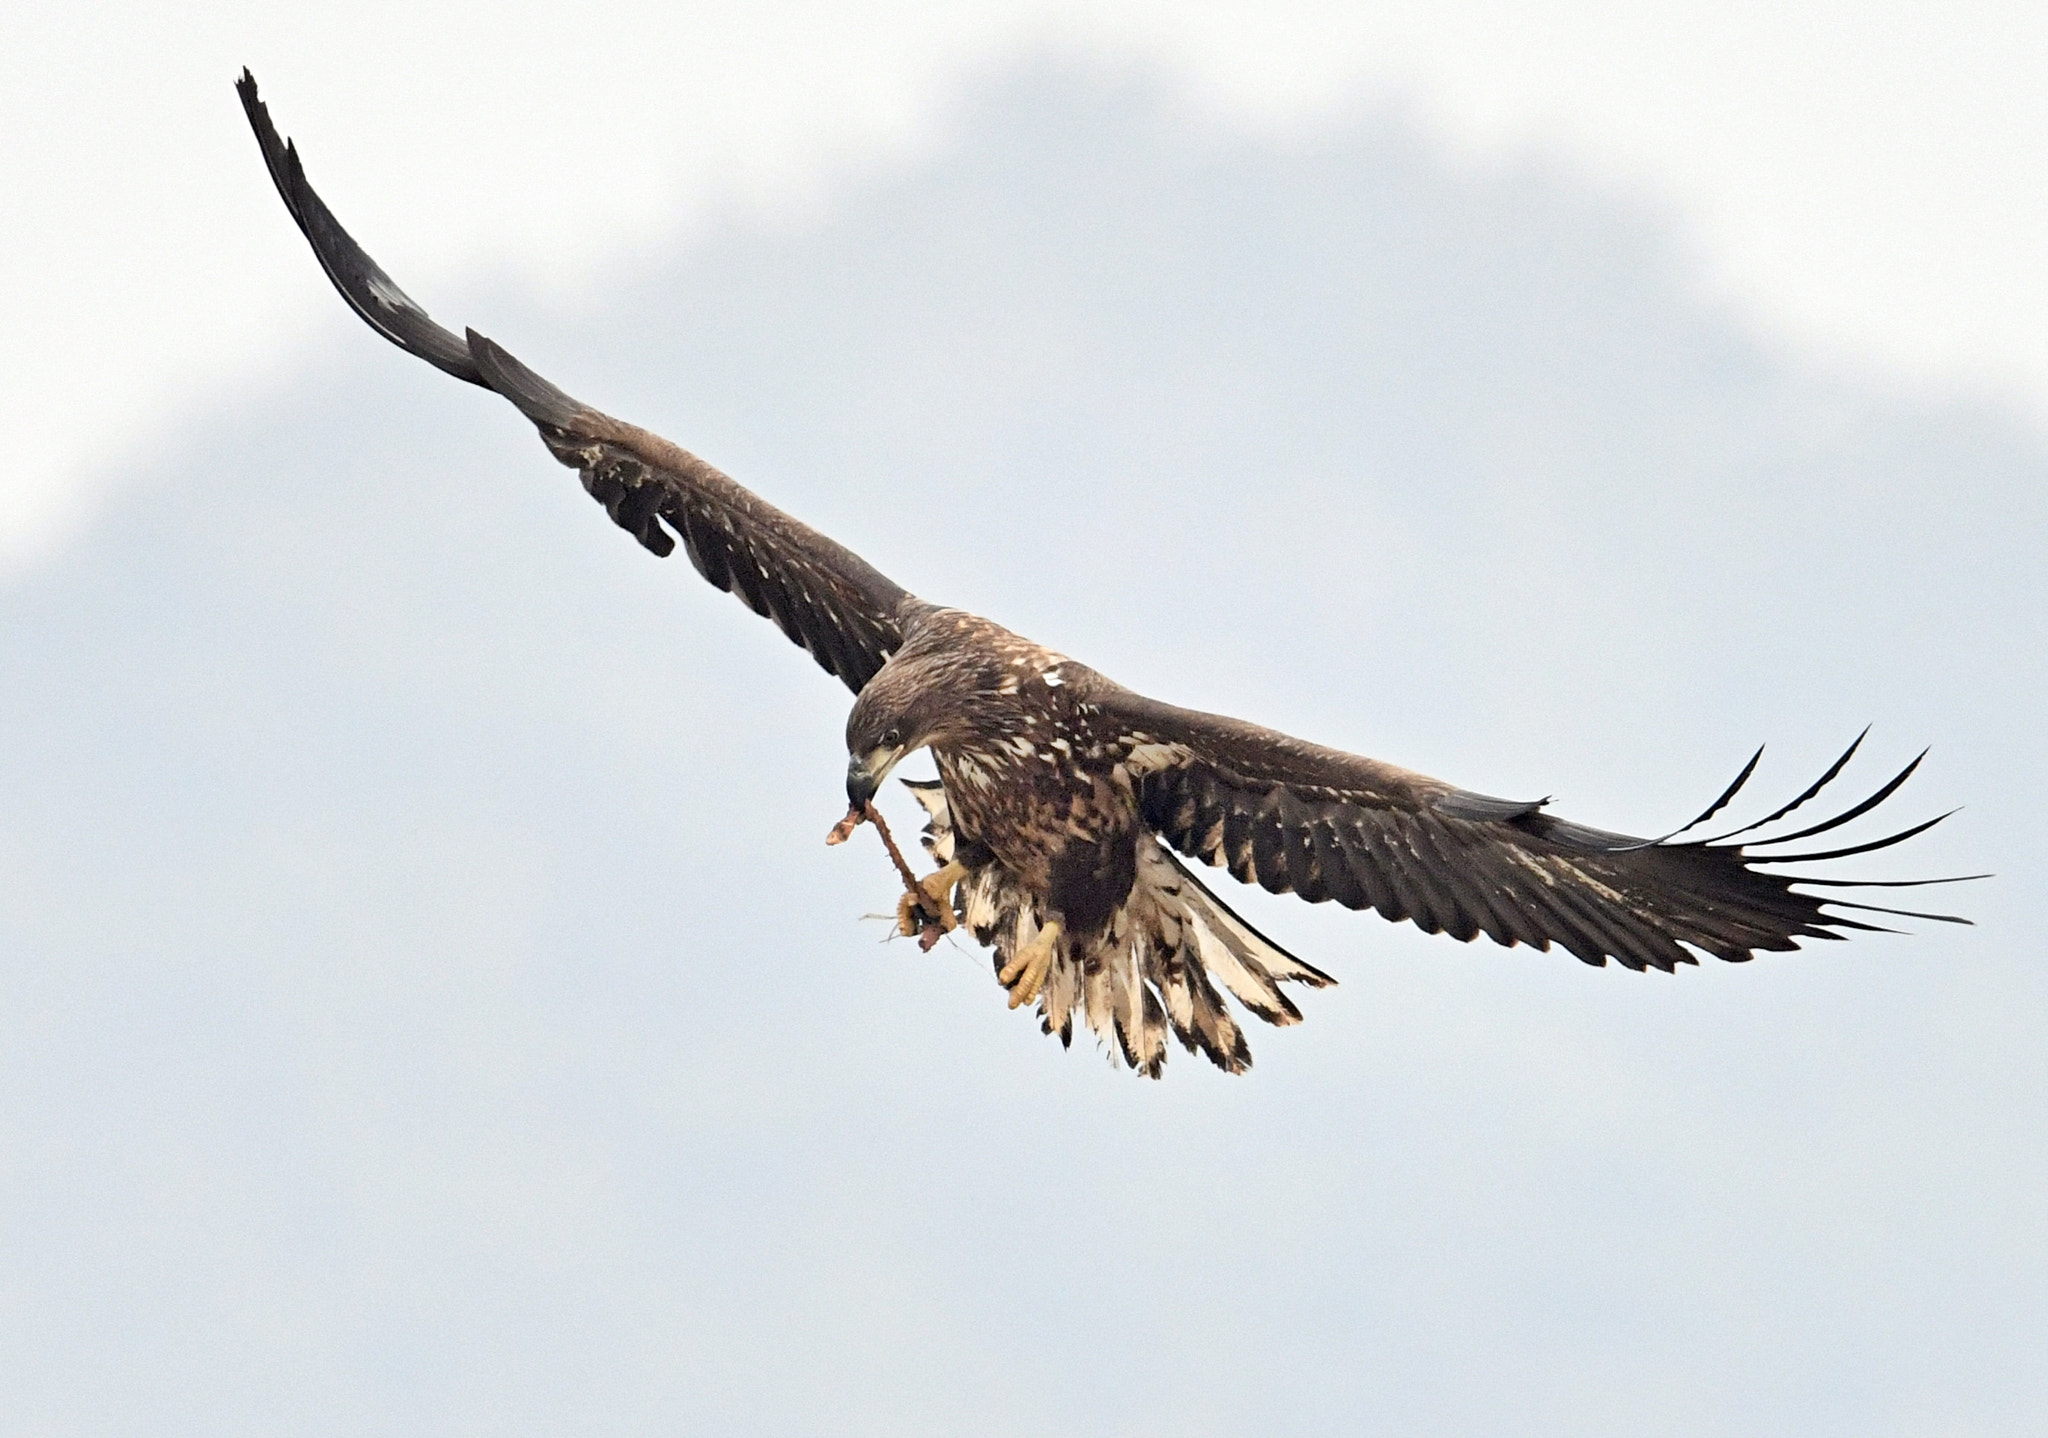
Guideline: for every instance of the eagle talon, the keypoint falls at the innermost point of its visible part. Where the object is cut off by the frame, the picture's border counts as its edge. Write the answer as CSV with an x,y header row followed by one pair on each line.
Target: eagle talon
x,y
938,887
926,911
915,917
1029,967
910,915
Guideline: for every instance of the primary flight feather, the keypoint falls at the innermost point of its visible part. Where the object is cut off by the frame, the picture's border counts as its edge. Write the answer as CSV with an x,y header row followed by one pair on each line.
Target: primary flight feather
x,y
1062,796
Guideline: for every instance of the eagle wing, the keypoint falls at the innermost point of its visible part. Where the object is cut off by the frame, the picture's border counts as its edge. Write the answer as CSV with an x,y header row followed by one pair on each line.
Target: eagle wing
x,y
821,594
1295,817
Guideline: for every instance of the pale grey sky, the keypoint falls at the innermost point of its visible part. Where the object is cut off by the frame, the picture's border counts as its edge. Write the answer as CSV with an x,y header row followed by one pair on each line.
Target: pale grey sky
x,y
432,1007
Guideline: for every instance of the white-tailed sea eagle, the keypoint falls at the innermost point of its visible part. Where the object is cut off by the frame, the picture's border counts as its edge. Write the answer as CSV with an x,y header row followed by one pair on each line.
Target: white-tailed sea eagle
x,y
1063,797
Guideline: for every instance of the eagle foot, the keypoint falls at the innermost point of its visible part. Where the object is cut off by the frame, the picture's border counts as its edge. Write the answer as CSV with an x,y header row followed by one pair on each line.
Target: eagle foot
x,y
926,911
1028,968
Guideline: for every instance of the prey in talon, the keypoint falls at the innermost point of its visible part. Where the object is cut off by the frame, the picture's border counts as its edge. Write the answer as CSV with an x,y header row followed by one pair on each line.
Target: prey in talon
x,y
926,909
1066,803
925,912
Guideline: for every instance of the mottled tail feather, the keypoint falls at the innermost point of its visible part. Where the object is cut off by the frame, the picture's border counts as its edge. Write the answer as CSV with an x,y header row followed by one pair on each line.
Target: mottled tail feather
x,y
1155,973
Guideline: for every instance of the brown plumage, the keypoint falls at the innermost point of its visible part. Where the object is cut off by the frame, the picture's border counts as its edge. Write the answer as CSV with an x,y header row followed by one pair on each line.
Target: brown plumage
x,y
1063,795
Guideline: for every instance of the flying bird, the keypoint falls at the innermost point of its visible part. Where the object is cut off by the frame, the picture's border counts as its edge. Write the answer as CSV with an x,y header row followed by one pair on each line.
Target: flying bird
x,y
1065,802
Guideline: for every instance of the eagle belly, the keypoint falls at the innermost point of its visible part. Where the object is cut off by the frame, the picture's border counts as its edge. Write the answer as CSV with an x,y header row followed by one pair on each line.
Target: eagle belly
x,y
1156,962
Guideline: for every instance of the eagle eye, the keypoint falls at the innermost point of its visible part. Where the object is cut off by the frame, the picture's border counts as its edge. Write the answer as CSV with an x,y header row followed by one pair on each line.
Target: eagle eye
x,y
893,737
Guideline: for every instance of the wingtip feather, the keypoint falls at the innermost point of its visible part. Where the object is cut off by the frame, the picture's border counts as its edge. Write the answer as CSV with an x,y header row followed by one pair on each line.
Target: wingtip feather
x,y
536,398
360,281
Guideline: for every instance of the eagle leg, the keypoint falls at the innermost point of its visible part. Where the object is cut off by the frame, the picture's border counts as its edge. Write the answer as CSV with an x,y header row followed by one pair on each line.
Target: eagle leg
x,y
931,900
1026,972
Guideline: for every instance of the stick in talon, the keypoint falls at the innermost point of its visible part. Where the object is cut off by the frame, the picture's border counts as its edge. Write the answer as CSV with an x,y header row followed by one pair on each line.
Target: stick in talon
x,y
843,830
917,899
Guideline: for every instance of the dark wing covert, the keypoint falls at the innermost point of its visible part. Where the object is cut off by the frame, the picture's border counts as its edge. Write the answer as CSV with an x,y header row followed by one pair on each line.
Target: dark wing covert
x,y
821,594
1295,817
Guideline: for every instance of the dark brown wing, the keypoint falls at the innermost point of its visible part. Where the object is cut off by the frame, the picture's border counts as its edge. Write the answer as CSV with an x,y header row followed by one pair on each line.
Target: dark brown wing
x,y
1298,818
821,594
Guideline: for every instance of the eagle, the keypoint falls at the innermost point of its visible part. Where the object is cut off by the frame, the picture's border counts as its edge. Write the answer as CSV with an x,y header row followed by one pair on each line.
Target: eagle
x,y
1066,805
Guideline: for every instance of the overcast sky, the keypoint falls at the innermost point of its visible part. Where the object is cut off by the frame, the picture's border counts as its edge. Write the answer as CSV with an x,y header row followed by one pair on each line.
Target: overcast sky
x,y
1858,178
432,1006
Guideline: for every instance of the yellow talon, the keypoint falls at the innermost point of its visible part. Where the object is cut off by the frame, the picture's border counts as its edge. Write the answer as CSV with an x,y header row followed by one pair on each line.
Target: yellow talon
x,y
909,915
940,888
1028,968
936,899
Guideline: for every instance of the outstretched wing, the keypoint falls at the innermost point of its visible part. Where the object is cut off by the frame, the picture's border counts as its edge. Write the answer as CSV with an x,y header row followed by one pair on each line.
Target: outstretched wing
x,y
1298,818
821,594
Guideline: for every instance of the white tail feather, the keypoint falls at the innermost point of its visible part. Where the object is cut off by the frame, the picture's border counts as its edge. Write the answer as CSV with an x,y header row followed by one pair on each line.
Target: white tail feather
x,y
1154,970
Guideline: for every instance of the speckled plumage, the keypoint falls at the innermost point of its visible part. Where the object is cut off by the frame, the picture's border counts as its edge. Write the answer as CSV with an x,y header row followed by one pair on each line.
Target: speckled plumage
x,y
1063,795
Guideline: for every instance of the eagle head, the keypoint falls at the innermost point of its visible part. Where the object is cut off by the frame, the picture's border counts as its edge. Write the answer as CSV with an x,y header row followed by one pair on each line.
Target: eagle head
x,y
882,728
912,701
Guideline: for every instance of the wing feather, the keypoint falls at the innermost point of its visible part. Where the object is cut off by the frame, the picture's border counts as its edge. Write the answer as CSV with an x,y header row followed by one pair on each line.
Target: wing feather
x,y
1294,816
825,598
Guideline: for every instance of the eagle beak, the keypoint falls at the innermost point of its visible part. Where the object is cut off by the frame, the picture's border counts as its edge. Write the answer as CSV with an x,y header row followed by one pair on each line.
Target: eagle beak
x,y
860,785
864,776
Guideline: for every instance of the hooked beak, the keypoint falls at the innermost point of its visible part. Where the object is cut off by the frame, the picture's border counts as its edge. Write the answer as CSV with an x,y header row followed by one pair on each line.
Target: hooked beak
x,y
864,776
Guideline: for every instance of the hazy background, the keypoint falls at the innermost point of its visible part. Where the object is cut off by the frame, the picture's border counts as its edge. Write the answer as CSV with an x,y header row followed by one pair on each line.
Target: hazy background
x,y
1860,178
431,1006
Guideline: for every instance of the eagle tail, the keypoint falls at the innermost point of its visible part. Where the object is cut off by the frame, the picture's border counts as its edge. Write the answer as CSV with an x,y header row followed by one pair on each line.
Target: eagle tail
x,y
1159,970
